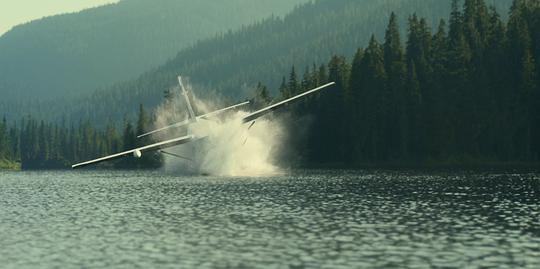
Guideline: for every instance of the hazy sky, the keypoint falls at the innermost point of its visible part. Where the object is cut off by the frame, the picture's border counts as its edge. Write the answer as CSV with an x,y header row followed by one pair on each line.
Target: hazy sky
x,y
13,12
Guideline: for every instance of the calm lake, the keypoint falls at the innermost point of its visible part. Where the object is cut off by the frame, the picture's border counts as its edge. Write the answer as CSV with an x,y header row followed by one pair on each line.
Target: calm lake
x,y
307,219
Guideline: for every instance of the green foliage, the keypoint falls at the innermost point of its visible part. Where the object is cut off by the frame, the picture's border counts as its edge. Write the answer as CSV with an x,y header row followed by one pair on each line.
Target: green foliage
x,y
449,98
9,165
40,145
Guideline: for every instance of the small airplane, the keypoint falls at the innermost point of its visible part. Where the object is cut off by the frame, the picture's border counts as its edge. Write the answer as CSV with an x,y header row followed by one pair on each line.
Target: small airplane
x,y
194,120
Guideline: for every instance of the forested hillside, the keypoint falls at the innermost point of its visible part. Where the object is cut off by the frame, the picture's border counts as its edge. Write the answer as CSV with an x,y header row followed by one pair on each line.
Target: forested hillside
x,y
232,64
70,54
466,92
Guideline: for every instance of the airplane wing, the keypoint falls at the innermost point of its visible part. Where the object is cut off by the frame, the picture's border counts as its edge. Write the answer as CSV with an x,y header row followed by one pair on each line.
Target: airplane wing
x,y
266,110
186,122
138,151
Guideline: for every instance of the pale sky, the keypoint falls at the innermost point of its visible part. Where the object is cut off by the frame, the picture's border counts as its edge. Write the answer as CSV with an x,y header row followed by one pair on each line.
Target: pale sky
x,y
14,12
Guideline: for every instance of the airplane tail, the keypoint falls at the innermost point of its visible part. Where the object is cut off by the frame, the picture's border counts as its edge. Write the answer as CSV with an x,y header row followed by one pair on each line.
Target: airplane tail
x,y
191,113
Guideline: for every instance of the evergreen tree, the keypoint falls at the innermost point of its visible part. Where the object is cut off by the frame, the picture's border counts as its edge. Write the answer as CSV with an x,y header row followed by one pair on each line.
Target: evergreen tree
x,y
262,96
148,160
331,112
519,67
142,124
293,88
355,102
374,108
420,72
438,137
494,144
414,108
525,108
4,140
129,142
395,69
284,89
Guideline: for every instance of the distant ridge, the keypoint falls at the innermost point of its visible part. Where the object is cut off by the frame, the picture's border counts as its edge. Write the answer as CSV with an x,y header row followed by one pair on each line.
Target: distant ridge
x,y
70,54
231,64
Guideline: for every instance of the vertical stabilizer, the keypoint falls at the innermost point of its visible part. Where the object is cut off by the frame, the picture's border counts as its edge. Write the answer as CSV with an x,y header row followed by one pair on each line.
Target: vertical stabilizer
x,y
191,113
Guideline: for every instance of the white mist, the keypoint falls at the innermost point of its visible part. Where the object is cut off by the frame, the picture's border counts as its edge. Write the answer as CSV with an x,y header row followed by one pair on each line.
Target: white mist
x,y
225,146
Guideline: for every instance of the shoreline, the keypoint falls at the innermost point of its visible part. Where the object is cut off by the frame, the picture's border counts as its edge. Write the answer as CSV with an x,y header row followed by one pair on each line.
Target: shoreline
x,y
393,166
427,166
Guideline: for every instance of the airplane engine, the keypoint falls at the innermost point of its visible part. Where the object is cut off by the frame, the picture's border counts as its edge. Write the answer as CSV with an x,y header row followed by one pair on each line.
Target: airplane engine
x,y
137,154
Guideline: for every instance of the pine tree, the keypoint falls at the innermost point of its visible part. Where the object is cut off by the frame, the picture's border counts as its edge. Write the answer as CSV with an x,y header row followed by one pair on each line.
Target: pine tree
x,y
418,51
395,68
373,111
148,160
527,89
496,60
284,89
456,22
293,87
3,142
519,68
439,138
414,112
331,112
458,84
262,96
142,124
355,103
306,83
129,142
15,138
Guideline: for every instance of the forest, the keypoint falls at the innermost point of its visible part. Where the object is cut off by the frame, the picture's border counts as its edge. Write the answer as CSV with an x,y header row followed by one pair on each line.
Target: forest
x,y
464,93
227,65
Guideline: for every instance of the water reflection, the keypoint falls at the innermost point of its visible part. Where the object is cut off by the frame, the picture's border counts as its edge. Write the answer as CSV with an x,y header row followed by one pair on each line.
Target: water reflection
x,y
313,219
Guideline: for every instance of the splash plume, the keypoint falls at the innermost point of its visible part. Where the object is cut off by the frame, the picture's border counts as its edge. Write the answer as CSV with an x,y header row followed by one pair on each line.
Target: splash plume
x,y
226,145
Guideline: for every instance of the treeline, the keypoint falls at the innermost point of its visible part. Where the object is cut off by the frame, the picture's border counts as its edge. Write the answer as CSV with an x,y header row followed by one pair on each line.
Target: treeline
x,y
39,145
466,93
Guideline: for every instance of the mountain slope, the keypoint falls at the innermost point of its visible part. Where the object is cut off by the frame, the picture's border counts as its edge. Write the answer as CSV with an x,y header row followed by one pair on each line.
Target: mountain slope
x,y
231,64
66,55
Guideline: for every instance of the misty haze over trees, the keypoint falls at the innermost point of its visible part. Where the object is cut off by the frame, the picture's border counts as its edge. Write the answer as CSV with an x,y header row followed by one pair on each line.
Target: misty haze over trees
x,y
228,65
463,91
70,55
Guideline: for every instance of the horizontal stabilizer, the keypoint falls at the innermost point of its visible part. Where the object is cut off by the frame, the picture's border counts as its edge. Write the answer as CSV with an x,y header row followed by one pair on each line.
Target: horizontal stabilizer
x,y
187,122
217,112
176,125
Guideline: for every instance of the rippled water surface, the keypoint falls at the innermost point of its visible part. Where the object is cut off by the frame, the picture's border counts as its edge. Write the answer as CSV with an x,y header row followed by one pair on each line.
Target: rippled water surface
x,y
313,219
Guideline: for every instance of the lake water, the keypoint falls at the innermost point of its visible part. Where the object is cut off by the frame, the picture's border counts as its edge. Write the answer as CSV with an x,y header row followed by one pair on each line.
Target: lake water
x,y
308,219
